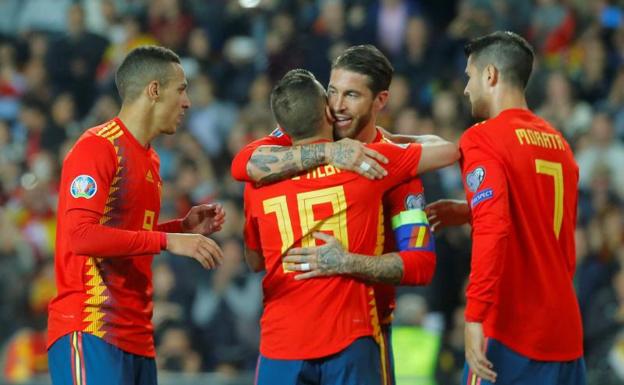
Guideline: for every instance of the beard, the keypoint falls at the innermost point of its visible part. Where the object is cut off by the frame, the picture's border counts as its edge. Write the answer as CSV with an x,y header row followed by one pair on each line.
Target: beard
x,y
354,129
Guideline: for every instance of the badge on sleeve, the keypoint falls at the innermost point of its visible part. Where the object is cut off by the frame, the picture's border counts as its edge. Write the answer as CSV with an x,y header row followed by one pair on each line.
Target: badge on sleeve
x,y
83,186
475,178
415,202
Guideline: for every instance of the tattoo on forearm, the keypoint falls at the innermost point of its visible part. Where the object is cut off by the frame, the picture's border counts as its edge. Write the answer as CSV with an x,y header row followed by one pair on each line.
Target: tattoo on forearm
x,y
312,155
287,170
280,149
342,155
262,161
273,163
382,269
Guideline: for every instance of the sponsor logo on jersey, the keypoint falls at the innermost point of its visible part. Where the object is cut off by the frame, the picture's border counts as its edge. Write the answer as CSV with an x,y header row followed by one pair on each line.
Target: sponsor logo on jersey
x,y
83,186
481,196
475,178
415,202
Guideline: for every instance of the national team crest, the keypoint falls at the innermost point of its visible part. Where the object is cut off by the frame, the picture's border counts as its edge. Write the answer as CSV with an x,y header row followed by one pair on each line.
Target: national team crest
x,y
415,202
277,132
83,186
475,178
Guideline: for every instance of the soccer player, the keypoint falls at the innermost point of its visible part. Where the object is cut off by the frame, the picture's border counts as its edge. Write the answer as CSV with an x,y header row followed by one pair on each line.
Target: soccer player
x,y
357,91
523,324
99,325
321,331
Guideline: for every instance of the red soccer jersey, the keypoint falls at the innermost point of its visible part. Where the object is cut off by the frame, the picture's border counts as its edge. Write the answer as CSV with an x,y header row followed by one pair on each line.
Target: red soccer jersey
x,y
109,201
419,265
284,215
521,180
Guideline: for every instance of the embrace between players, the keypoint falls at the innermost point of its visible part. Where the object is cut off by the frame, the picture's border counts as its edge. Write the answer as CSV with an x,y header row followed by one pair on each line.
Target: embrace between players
x,y
336,226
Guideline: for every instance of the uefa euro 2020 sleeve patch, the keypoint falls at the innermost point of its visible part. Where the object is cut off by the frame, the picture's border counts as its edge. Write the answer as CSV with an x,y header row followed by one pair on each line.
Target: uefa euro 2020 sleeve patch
x,y
83,186
475,178
415,202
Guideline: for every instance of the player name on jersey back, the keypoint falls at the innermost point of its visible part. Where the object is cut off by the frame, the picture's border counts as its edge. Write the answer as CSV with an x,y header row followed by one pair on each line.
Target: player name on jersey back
x,y
319,172
539,138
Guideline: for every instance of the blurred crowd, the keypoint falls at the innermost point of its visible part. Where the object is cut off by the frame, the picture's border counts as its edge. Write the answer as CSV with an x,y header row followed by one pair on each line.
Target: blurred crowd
x,y
57,65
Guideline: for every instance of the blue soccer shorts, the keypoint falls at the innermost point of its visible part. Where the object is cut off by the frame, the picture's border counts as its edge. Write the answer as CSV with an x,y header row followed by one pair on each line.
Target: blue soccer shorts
x,y
515,369
83,359
359,363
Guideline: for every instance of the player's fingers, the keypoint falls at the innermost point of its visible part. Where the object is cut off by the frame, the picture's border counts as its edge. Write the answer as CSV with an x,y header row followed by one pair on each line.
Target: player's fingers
x,y
207,259
305,266
200,256
295,258
301,251
482,367
323,237
363,172
375,155
213,249
311,274
376,170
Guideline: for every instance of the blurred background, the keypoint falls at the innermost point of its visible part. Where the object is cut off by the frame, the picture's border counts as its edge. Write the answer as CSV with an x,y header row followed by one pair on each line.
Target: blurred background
x,y
57,65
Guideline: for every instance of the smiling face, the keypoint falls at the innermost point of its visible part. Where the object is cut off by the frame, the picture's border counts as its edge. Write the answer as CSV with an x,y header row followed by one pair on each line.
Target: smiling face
x,y
172,101
352,103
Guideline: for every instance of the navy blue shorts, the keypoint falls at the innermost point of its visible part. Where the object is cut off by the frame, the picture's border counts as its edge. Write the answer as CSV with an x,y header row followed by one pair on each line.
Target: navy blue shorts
x,y
515,369
359,363
83,359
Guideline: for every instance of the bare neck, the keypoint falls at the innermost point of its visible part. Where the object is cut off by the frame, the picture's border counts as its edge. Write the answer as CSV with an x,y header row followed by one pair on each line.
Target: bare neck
x,y
313,139
505,98
138,122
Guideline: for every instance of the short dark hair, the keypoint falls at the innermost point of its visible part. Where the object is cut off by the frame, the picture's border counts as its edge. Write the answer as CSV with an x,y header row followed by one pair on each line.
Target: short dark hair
x,y
298,103
142,65
367,60
510,53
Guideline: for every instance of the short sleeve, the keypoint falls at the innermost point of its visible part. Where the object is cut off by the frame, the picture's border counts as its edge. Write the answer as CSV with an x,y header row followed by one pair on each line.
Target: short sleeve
x,y
88,172
402,163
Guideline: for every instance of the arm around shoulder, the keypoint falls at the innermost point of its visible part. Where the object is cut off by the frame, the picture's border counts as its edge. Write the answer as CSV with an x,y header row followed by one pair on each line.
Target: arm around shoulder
x,y
437,154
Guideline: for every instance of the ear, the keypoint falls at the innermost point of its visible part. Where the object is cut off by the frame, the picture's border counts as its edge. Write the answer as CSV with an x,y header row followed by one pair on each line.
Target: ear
x,y
381,99
492,75
328,115
153,90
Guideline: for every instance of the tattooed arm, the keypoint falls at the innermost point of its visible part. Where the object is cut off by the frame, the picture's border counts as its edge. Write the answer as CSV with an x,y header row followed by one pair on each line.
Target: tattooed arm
x,y
332,259
272,163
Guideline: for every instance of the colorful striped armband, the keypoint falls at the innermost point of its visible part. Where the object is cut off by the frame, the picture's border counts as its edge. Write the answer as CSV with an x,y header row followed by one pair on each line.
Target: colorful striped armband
x,y
412,232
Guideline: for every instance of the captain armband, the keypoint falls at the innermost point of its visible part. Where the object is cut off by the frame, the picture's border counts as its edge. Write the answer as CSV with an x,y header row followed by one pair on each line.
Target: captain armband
x,y
412,231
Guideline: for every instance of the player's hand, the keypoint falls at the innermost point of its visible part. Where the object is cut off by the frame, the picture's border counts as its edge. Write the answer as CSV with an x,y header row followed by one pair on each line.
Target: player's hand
x,y
447,212
204,219
203,249
475,352
328,259
353,155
